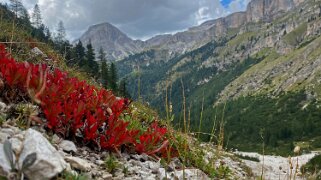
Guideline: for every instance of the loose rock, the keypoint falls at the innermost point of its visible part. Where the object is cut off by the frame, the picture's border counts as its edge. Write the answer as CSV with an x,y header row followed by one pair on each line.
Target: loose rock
x,y
49,162
78,163
68,146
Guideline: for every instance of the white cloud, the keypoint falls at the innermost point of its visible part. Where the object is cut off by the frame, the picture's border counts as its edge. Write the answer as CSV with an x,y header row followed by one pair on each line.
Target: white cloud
x,y
137,18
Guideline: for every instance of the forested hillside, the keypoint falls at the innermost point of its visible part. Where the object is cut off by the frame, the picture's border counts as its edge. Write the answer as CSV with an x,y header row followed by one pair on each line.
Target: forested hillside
x,y
264,66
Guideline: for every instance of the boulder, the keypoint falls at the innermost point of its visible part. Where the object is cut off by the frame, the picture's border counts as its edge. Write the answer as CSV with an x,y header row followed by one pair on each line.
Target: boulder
x,y
49,162
36,51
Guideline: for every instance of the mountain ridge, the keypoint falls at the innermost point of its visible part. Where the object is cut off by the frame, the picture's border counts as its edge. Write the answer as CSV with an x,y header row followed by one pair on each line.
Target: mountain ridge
x,y
188,40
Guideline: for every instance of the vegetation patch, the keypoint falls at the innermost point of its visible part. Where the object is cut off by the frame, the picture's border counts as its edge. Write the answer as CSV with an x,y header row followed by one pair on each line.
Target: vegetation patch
x,y
255,159
313,167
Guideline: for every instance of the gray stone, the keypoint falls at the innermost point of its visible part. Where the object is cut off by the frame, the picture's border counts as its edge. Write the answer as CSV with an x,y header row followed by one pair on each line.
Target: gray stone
x,y
119,175
3,106
68,146
191,174
85,153
19,136
8,131
78,163
154,166
36,51
92,159
188,173
56,139
16,145
5,128
3,137
49,162
99,162
175,164
144,157
5,167
107,176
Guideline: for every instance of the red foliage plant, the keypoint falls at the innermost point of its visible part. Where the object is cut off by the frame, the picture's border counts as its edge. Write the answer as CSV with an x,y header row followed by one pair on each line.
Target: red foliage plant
x,y
75,109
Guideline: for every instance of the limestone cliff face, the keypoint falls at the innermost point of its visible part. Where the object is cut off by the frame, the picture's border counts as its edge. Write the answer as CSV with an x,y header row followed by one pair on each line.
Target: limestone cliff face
x,y
265,9
199,35
235,20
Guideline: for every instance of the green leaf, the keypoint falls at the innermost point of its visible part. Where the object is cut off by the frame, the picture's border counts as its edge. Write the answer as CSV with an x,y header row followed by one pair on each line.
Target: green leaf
x,y
9,153
29,160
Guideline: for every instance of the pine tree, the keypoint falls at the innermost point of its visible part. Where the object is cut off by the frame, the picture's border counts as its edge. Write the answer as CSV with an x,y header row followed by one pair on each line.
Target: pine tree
x,y
104,72
36,17
123,89
91,66
25,17
79,54
47,34
113,77
16,7
61,33
102,55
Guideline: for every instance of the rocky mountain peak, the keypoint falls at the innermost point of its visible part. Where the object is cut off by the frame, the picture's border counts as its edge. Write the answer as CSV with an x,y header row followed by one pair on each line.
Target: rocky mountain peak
x,y
107,30
114,42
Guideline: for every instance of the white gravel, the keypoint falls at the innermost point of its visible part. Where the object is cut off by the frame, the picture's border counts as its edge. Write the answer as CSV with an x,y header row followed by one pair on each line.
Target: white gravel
x,y
276,167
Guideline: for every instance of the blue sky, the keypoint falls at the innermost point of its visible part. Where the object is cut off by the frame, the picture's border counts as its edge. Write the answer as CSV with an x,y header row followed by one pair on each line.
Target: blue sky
x,y
225,3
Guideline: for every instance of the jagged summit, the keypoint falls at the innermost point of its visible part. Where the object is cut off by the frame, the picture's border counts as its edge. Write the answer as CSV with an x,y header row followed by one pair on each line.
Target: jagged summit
x,y
115,43
118,45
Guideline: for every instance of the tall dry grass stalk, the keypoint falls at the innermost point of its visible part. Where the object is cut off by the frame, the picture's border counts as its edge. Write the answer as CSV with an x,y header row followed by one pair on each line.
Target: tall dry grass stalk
x,y
12,34
221,131
138,84
263,153
185,126
184,107
166,104
291,167
214,127
201,118
189,118
1,17
296,151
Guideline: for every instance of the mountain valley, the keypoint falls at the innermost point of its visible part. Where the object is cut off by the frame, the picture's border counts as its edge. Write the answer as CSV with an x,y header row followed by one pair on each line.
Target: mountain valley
x,y
251,61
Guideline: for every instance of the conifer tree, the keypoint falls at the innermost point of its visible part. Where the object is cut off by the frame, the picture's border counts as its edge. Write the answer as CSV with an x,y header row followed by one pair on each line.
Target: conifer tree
x,y
25,18
47,34
79,54
104,72
16,7
113,77
36,17
123,89
91,65
61,33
